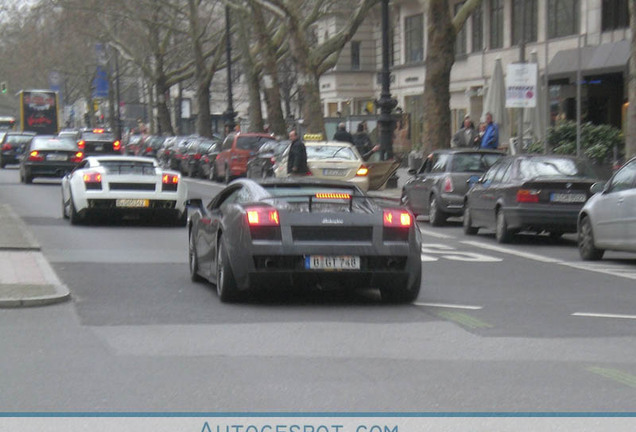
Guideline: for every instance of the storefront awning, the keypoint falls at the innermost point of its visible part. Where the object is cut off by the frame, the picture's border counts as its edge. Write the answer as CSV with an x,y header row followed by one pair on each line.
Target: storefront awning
x,y
600,59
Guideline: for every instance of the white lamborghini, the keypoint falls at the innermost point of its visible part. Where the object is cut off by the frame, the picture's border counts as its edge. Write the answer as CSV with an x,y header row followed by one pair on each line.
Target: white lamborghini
x,y
123,186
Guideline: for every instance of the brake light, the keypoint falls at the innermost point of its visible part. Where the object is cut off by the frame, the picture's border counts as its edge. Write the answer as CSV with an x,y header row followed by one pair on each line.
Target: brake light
x,y
81,144
197,156
170,179
6,146
528,196
77,157
116,145
362,171
35,156
98,131
272,160
397,218
329,195
262,216
92,177
448,185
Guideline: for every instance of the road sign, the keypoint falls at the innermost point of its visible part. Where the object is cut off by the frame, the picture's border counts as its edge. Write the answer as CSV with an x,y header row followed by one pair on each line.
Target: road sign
x,y
521,85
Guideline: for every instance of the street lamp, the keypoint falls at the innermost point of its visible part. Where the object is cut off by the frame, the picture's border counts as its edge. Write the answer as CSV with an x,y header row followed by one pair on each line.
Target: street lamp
x,y
229,113
386,103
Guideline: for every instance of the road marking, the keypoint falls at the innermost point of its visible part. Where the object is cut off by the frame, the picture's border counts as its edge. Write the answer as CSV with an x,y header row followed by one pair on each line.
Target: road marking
x,y
434,234
601,315
463,319
527,255
450,253
615,375
621,270
449,306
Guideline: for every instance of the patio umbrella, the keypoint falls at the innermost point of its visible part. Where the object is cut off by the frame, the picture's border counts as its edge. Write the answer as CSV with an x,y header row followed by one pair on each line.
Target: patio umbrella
x,y
495,103
535,117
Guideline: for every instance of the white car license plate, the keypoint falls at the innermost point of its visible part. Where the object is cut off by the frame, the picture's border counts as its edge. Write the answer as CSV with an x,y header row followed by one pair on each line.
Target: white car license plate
x,y
56,157
99,147
568,197
341,262
334,172
132,203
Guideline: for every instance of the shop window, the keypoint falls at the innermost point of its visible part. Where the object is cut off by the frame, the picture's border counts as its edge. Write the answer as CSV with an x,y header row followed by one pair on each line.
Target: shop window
x,y
563,18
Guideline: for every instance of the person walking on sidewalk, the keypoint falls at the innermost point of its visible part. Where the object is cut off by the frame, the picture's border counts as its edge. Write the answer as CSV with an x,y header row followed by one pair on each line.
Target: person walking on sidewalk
x,y
297,159
342,134
490,140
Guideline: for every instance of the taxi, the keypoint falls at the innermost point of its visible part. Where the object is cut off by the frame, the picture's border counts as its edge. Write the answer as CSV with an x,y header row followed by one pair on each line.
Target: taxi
x,y
336,160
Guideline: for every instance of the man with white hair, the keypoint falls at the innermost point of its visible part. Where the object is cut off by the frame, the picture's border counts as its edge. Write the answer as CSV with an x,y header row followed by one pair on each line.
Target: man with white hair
x,y
342,134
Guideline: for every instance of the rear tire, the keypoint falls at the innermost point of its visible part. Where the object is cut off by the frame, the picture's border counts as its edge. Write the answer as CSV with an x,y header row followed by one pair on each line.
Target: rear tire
x,y
225,282
436,217
469,229
212,176
406,294
73,215
587,249
64,212
28,178
502,232
181,220
226,177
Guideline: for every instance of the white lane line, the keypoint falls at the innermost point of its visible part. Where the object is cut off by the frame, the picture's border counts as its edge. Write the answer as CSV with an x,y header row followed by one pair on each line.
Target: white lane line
x,y
623,270
434,234
527,255
449,306
600,315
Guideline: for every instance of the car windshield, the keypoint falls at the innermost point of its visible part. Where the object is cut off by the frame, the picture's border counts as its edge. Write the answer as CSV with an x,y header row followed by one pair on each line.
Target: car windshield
x,y
128,167
53,144
555,167
473,162
251,142
91,136
330,152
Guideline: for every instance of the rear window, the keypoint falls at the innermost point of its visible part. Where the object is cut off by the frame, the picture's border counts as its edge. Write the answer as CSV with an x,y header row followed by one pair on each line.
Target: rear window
x,y
473,162
331,152
90,136
19,139
128,167
555,167
250,142
53,144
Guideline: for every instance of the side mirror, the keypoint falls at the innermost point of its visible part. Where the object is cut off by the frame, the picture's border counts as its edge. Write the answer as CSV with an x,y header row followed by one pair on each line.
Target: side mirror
x,y
194,202
598,187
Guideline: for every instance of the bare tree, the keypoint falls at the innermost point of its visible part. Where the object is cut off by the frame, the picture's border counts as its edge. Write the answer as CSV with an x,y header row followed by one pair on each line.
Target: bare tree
x,y
442,32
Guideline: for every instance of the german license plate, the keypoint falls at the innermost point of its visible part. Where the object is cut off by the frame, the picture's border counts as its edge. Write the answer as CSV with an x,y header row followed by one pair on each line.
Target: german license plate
x,y
132,203
327,262
99,147
56,157
334,172
568,197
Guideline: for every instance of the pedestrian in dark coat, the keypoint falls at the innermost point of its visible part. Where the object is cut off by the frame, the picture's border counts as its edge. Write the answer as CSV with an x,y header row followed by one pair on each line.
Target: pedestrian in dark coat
x,y
363,143
297,158
342,134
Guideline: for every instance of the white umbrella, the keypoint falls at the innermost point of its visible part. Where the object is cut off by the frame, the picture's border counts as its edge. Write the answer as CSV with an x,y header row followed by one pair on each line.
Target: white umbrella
x,y
535,117
495,103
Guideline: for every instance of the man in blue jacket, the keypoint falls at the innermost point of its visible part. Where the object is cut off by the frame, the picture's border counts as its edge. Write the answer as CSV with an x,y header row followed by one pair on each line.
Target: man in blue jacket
x,y
490,140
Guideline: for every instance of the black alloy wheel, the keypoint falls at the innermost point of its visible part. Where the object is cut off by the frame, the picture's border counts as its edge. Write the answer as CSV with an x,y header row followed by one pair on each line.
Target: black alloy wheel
x,y
469,229
64,209
436,216
193,259
587,248
225,282
73,215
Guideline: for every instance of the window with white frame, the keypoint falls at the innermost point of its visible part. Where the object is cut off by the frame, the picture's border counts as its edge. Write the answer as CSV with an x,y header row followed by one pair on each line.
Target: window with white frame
x,y
414,38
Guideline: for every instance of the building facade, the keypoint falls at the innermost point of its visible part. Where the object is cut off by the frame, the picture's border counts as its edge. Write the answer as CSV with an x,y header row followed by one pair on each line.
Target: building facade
x,y
565,36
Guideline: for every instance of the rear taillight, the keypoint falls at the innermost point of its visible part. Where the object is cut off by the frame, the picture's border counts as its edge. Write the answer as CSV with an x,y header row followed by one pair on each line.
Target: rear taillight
x,y
448,185
262,216
362,171
6,146
35,156
77,157
528,196
92,180
394,218
81,144
116,145
169,182
272,160
197,156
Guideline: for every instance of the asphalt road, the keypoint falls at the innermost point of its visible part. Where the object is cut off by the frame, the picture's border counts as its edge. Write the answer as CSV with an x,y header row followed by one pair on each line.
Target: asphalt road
x,y
525,327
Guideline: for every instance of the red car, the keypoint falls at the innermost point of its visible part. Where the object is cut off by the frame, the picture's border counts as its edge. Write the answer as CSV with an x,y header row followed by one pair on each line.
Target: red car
x,y
236,150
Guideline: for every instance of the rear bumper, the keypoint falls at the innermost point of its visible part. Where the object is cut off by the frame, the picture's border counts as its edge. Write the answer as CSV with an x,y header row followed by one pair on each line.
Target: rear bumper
x,y
57,170
324,280
452,204
548,219
10,157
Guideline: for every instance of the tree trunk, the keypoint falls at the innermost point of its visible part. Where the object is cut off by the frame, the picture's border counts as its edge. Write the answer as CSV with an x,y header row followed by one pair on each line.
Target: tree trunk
x,y
630,141
204,122
255,112
440,57
163,114
313,119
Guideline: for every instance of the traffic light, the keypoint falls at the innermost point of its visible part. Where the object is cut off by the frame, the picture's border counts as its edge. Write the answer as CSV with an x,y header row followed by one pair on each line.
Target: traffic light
x,y
3,87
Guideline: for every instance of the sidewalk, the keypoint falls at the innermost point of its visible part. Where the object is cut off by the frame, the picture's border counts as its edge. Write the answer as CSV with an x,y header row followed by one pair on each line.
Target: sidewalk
x,y
26,278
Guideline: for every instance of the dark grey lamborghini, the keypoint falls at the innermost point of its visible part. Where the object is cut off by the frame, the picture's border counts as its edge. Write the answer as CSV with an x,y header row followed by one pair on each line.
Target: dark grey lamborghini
x,y
302,233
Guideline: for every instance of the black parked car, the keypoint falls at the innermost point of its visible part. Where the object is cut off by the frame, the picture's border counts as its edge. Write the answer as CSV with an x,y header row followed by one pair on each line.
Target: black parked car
x,y
12,146
261,165
151,146
208,150
49,156
439,186
536,193
98,142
